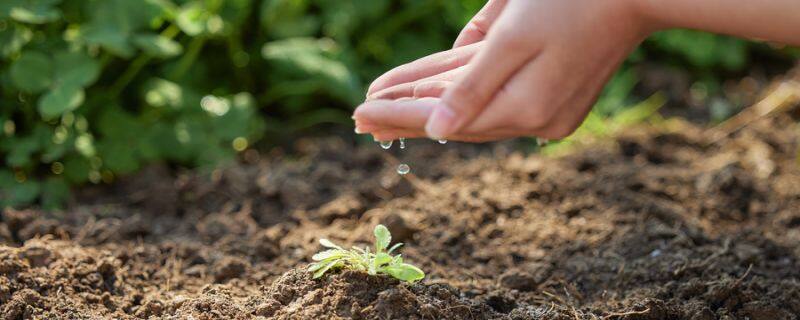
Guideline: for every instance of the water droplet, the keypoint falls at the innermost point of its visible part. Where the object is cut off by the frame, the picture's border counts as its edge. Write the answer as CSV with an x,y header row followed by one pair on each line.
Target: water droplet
x,y
442,141
386,144
402,143
541,142
403,169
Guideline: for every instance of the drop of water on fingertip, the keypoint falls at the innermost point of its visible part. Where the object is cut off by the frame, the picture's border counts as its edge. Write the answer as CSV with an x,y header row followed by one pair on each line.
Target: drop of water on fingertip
x,y
403,169
386,144
402,143
442,141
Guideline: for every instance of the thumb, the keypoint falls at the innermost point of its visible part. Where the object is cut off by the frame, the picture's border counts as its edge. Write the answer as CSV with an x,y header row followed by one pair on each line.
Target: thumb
x,y
504,53
478,26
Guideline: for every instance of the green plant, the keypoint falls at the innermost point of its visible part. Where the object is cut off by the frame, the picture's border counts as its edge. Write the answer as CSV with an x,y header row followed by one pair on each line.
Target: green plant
x,y
379,262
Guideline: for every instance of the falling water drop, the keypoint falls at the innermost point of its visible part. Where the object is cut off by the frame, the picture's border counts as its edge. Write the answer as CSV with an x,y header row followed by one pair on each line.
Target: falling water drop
x,y
403,169
402,143
386,144
442,141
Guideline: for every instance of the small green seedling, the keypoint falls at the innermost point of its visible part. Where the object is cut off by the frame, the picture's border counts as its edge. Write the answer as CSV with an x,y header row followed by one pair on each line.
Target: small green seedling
x,y
379,262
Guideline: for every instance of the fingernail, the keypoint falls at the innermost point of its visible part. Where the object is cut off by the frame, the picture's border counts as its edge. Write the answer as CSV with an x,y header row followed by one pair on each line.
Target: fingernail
x,y
358,130
441,123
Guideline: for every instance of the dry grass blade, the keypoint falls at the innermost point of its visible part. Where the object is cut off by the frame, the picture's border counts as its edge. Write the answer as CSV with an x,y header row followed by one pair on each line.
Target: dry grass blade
x,y
625,314
778,97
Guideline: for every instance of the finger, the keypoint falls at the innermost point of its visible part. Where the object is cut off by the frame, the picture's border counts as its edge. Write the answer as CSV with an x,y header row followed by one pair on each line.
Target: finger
x,y
407,89
425,67
395,114
394,134
431,89
388,120
504,53
427,89
478,26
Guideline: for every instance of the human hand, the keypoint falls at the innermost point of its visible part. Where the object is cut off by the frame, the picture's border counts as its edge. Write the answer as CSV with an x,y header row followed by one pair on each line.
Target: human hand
x,y
537,72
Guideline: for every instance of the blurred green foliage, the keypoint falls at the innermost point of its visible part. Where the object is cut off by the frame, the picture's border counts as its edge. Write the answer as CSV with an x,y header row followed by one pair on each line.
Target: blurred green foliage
x,y
93,89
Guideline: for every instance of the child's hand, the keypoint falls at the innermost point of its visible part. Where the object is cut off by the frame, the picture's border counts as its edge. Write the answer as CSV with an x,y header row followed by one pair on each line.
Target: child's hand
x,y
542,63
537,73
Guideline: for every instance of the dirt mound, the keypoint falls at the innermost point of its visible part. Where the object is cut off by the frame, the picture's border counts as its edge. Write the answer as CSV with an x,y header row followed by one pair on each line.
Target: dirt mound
x,y
657,224
357,295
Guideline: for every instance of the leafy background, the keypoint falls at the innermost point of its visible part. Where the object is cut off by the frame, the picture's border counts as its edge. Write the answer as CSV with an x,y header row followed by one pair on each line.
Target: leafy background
x,y
94,89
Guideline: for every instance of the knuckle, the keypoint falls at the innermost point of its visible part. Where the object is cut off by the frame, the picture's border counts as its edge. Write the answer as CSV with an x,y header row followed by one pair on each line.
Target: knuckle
x,y
479,25
466,95
513,41
428,89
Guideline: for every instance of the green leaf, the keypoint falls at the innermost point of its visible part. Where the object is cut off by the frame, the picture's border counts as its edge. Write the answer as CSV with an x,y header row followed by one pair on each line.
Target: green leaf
x,y
109,38
239,120
32,72
394,247
382,238
76,169
75,68
317,265
288,18
21,149
128,16
35,11
327,266
382,258
118,156
160,93
157,46
6,180
306,58
405,272
328,244
328,254
20,194
62,98
191,18
12,40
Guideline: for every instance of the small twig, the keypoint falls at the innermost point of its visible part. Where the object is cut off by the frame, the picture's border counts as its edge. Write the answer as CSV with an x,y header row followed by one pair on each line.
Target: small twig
x,y
746,273
575,313
624,314
784,95
553,296
726,246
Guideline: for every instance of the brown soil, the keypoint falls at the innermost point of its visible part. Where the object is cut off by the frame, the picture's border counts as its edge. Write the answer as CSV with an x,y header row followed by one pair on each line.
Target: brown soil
x,y
658,224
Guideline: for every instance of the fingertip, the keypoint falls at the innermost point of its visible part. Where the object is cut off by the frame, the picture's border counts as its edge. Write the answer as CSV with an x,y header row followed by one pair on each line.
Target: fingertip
x,y
469,35
442,122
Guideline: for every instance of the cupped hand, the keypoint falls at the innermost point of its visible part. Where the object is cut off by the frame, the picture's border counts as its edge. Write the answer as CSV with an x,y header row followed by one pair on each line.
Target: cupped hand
x,y
519,68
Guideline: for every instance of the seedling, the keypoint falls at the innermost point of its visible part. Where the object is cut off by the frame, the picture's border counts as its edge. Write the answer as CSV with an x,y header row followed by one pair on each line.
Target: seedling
x,y
379,262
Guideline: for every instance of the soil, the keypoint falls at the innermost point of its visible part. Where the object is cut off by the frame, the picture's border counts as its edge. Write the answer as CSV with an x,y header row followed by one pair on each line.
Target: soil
x,y
655,224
